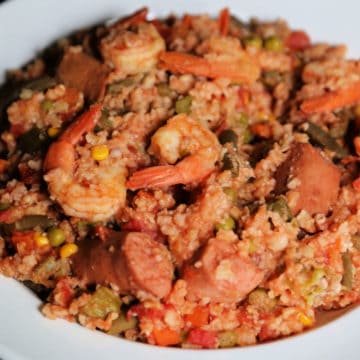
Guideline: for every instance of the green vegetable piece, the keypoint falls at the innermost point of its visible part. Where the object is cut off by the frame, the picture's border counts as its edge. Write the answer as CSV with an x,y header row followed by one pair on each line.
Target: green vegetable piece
x,y
4,206
183,106
272,78
242,120
101,303
339,130
46,105
356,241
32,141
118,86
41,83
231,193
347,279
105,121
56,236
122,324
280,206
228,338
163,89
231,162
29,222
228,136
227,224
273,43
321,137
47,268
253,41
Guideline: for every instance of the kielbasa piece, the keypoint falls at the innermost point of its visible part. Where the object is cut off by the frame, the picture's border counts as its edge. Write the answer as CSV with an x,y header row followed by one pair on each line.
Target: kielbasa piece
x,y
311,181
221,274
84,73
133,262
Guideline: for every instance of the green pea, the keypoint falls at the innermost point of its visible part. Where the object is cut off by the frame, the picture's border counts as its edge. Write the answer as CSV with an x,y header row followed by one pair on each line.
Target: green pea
x,y
280,206
273,43
253,41
47,105
183,106
231,193
56,236
227,224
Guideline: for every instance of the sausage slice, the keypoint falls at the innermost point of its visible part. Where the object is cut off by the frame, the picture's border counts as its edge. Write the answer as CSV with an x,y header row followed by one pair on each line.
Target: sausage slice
x,y
221,274
311,181
133,262
84,73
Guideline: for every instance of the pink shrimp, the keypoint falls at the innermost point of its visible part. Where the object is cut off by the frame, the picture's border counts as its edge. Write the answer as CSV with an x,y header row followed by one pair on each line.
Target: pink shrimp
x,y
180,136
102,194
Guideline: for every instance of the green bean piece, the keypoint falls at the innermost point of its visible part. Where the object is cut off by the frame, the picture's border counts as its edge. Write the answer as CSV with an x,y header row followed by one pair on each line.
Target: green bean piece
x,y
228,136
228,338
321,137
231,193
231,162
41,83
227,224
4,206
101,303
253,41
118,86
32,141
164,89
280,206
121,324
273,43
29,222
347,279
356,241
56,236
183,106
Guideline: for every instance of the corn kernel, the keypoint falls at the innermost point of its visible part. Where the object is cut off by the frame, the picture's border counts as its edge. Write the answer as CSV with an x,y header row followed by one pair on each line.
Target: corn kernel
x,y
100,152
40,239
305,320
53,131
68,249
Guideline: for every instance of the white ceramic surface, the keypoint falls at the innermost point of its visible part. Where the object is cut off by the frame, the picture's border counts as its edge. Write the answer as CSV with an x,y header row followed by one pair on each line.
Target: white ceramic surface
x,y
26,26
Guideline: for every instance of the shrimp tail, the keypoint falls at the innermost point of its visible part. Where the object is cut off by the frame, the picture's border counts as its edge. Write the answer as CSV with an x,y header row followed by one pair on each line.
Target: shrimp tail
x,y
164,175
84,124
133,19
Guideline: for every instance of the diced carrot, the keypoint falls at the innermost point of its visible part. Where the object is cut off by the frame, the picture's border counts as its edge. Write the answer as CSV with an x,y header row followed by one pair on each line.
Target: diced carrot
x,y
166,336
199,317
333,99
23,241
261,129
298,40
204,338
224,21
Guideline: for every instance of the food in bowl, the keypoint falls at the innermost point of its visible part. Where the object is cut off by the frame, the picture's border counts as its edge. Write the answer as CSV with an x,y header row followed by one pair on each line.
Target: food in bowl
x,y
188,181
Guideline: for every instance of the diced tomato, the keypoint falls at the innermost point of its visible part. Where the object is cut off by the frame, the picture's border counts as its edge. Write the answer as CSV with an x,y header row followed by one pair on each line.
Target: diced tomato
x,y
64,292
298,40
356,184
17,129
204,338
23,241
4,215
141,311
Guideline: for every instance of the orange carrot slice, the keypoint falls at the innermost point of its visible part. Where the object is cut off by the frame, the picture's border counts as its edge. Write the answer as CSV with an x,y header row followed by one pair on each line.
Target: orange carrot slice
x,y
332,100
166,336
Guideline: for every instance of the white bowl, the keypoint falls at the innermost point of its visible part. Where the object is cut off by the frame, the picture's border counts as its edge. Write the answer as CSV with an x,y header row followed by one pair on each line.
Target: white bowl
x,y
28,26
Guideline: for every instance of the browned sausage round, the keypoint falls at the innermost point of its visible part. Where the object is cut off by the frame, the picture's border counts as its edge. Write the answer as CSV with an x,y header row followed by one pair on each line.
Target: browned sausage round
x,y
315,180
133,262
221,274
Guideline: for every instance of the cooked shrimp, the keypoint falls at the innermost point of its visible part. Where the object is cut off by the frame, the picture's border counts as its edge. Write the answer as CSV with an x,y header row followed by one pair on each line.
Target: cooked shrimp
x,y
238,69
95,200
132,51
180,136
